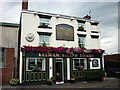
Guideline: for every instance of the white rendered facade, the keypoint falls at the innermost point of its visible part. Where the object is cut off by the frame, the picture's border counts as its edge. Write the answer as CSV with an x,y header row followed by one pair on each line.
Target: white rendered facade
x,y
31,20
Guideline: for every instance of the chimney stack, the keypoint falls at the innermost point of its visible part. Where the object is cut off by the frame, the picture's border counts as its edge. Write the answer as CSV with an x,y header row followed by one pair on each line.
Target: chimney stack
x,y
87,17
24,4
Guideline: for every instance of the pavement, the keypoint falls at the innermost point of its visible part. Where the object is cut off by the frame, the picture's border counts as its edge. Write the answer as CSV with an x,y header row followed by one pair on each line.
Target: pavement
x,y
108,83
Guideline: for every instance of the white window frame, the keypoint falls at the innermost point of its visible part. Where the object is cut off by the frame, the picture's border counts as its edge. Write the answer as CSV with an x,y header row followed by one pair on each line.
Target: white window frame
x,y
36,63
80,41
44,40
91,67
81,24
85,63
43,20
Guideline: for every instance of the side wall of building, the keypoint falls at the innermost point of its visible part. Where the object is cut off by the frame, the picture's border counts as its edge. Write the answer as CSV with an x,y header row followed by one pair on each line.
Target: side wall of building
x,y
8,68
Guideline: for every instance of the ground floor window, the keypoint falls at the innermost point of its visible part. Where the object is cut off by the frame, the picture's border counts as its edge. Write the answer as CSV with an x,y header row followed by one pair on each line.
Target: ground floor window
x,y
2,57
35,64
94,63
79,63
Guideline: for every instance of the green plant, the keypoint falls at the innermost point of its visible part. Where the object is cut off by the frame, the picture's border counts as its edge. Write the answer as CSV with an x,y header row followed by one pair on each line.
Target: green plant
x,y
14,81
72,80
44,44
52,78
81,27
36,68
43,25
49,81
92,74
72,76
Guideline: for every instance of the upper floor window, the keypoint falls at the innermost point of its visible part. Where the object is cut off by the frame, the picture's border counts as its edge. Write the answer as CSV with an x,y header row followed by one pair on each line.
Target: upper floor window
x,y
81,26
44,22
44,40
81,42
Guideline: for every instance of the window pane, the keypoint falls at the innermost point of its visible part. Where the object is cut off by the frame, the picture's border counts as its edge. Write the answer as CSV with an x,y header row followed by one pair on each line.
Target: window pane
x,y
47,44
41,38
82,62
81,42
45,21
31,64
75,63
46,38
2,57
41,64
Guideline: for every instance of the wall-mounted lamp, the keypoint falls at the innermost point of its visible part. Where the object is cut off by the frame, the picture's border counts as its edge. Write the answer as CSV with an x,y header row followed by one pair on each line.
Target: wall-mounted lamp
x,y
71,18
35,13
57,16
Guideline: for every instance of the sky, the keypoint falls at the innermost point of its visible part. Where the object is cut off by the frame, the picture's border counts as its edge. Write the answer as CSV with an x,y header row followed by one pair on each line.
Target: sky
x,y
104,11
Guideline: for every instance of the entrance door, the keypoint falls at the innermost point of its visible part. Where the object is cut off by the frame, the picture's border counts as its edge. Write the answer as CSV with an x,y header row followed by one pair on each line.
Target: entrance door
x,y
59,72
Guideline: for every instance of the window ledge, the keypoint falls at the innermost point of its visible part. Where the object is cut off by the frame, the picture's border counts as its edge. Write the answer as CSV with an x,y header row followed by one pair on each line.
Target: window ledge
x,y
94,31
82,30
44,27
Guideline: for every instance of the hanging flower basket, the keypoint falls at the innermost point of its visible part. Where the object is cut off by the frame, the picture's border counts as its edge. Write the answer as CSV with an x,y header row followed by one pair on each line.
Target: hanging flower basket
x,y
62,51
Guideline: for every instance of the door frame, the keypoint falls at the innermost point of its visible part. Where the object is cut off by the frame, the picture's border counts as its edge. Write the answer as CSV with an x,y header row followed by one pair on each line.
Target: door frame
x,y
61,60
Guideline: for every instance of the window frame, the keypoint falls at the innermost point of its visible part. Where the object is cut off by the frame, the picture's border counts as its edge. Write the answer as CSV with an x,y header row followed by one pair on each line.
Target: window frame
x,y
44,60
81,24
3,57
80,42
85,63
99,63
43,21
44,36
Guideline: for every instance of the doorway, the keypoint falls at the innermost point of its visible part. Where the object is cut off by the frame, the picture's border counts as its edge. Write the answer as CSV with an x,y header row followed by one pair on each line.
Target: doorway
x,y
59,72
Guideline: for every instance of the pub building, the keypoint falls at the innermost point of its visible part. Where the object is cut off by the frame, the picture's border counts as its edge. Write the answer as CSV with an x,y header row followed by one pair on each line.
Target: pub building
x,y
59,46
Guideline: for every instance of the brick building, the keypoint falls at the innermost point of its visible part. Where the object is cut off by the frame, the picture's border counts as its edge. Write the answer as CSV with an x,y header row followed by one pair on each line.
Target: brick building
x,y
112,64
8,50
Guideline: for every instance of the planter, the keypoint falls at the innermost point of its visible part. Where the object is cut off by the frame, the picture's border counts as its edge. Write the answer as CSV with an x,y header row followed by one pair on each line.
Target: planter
x,y
36,70
53,82
72,80
49,83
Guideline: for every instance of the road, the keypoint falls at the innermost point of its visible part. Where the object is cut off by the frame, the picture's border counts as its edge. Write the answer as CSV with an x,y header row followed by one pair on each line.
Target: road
x,y
109,83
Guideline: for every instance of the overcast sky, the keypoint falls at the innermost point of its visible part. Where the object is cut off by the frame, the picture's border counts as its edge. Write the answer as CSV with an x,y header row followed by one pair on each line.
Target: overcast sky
x,y
105,12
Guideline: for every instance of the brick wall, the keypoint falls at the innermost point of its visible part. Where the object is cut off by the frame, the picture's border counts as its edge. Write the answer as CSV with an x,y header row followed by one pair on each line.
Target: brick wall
x,y
8,69
114,57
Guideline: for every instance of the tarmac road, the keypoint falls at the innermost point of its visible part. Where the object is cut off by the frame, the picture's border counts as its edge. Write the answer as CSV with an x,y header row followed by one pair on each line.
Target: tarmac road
x,y
109,83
